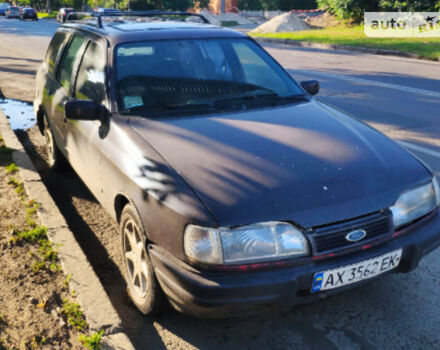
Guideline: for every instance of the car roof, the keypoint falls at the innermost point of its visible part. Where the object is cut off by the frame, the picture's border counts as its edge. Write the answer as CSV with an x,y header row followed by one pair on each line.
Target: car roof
x,y
117,32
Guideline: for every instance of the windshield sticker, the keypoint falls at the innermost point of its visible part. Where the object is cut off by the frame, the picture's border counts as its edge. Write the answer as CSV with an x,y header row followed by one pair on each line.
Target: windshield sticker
x,y
133,101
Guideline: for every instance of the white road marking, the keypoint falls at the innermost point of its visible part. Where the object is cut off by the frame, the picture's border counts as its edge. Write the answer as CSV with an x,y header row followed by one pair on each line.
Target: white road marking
x,y
370,82
419,149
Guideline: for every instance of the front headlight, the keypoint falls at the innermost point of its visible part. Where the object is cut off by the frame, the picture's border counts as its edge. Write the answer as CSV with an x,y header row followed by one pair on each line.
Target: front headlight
x,y
244,244
437,190
415,203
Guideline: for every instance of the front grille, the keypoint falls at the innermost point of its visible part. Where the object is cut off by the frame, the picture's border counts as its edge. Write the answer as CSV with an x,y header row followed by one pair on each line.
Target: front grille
x,y
329,238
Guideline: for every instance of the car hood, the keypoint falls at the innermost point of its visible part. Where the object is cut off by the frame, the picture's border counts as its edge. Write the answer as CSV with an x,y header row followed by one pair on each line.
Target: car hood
x,y
305,163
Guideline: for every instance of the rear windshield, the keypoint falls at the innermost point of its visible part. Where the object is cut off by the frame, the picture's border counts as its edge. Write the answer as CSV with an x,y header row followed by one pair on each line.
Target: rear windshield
x,y
203,75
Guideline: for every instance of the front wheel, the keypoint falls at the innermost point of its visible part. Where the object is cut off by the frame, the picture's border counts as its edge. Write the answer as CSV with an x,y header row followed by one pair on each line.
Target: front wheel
x,y
143,288
55,158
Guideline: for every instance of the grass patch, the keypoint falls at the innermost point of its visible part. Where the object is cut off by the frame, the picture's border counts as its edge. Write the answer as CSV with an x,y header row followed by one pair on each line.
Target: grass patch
x,y
52,14
67,280
355,36
18,186
5,150
92,341
74,315
12,168
30,236
47,256
229,23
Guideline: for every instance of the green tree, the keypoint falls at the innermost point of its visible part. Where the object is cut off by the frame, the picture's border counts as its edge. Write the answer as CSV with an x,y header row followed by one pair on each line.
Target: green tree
x,y
349,9
417,5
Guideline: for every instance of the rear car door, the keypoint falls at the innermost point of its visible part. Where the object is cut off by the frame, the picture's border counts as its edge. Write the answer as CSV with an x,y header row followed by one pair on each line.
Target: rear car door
x,y
83,137
47,84
64,85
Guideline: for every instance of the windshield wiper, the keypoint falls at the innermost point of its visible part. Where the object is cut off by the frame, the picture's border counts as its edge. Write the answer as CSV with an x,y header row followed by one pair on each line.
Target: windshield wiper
x,y
300,97
173,109
244,98
270,97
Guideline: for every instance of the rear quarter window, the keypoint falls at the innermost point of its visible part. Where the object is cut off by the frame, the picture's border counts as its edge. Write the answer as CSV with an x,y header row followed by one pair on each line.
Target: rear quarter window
x,y
54,49
90,83
70,57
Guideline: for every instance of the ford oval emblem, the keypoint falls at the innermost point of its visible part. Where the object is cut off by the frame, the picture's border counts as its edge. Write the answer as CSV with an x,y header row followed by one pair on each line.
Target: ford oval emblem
x,y
356,236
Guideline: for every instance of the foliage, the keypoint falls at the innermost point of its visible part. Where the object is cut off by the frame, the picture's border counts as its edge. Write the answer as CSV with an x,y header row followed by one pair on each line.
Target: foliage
x,y
92,341
202,4
31,236
5,150
349,9
12,168
413,5
354,9
74,315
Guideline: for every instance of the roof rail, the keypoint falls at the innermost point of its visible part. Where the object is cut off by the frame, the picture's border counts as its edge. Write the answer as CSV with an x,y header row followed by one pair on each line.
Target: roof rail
x,y
98,16
82,17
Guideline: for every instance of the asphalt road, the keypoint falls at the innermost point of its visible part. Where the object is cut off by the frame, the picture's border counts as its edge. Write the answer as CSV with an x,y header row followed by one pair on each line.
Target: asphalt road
x,y
400,97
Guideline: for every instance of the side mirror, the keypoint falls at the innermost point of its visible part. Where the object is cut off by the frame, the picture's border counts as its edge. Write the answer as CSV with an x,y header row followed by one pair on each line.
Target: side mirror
x,y
84,110
311,86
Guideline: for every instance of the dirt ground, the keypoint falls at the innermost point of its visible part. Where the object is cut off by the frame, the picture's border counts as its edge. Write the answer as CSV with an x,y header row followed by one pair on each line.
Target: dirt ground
x,y
17,77
31,290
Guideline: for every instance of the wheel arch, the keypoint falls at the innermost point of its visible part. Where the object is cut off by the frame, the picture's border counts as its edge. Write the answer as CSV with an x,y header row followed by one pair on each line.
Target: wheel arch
x,y
120,201
40,119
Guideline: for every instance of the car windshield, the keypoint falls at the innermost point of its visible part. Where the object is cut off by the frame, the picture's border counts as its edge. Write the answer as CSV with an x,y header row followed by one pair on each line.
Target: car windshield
x,y
158,78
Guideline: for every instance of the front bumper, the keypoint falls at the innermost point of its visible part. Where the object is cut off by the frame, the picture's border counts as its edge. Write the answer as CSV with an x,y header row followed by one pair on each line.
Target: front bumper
x,y
223,294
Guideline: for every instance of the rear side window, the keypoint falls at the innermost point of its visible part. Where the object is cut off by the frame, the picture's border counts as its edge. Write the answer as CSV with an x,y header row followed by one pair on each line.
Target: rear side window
x,y
68,61
90,84
54,48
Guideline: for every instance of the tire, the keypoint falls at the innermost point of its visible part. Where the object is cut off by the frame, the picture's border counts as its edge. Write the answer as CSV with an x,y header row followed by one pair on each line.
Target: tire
x,y
142,285
56,160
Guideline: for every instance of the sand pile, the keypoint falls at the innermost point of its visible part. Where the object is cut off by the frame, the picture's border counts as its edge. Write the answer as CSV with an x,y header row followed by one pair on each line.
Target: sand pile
x,y
282,23
325,20
226,17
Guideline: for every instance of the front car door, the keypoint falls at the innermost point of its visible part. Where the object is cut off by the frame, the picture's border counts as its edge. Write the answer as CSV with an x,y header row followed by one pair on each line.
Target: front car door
x,y
63,86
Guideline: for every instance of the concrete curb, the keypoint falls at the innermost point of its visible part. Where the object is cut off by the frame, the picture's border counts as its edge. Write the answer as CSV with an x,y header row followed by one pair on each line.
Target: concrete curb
x,y
309,44
97,307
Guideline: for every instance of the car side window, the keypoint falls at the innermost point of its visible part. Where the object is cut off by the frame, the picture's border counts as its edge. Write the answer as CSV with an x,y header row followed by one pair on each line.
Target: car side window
x,y
68,61
90,84
54,48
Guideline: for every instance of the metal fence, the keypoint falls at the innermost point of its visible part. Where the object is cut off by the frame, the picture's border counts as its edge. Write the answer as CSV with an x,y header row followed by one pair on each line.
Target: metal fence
x,y
262,13
272,14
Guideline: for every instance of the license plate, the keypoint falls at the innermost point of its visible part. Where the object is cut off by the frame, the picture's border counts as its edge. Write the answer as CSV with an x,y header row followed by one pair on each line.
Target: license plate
x,y
363,270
